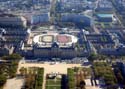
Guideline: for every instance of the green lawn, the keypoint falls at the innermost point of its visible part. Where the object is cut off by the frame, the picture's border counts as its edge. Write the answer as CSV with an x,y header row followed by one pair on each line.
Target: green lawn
x,y
53,87
53,83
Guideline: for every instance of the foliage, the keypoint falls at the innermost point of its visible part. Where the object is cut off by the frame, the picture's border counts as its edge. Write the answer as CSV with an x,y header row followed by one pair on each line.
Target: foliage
x,y
34,79
23,71
7,70
103,70
92,57
76,78
12,57
2,79
39,78
71,79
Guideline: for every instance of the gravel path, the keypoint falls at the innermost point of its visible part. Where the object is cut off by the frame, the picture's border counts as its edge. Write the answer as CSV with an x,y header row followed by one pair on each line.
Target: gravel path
x,y
15,83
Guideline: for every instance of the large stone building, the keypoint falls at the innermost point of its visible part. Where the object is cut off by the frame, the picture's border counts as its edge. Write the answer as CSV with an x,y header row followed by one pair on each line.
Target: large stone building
x,y
54,45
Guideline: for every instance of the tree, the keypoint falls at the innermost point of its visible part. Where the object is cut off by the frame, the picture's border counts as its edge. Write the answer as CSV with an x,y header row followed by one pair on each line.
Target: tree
x,y
113,58
92,57
82,84
2,79
22,71
102,57
13,56
71,79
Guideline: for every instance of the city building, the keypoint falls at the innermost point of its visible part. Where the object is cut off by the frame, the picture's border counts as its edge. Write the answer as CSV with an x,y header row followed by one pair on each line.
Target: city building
x,y
105,17
104,6
6,49
54,45
40,18
12,20
77,19
13,30
119,51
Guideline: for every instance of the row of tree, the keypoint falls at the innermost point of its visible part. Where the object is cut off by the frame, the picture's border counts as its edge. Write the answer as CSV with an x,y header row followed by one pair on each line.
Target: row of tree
x,y
71,79
33,77
104,72
39,79
94,57
76,78
8,67
12,57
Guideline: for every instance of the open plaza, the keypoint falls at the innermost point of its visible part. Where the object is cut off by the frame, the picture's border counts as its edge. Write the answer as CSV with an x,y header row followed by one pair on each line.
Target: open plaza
x,y
54,73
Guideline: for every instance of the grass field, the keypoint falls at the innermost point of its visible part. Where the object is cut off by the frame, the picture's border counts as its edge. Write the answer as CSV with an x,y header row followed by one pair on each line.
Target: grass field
x,y
53,87
53,83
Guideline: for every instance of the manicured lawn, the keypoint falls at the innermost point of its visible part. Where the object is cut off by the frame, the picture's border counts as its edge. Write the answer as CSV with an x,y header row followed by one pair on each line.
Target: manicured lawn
x,y
53,87
53,83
